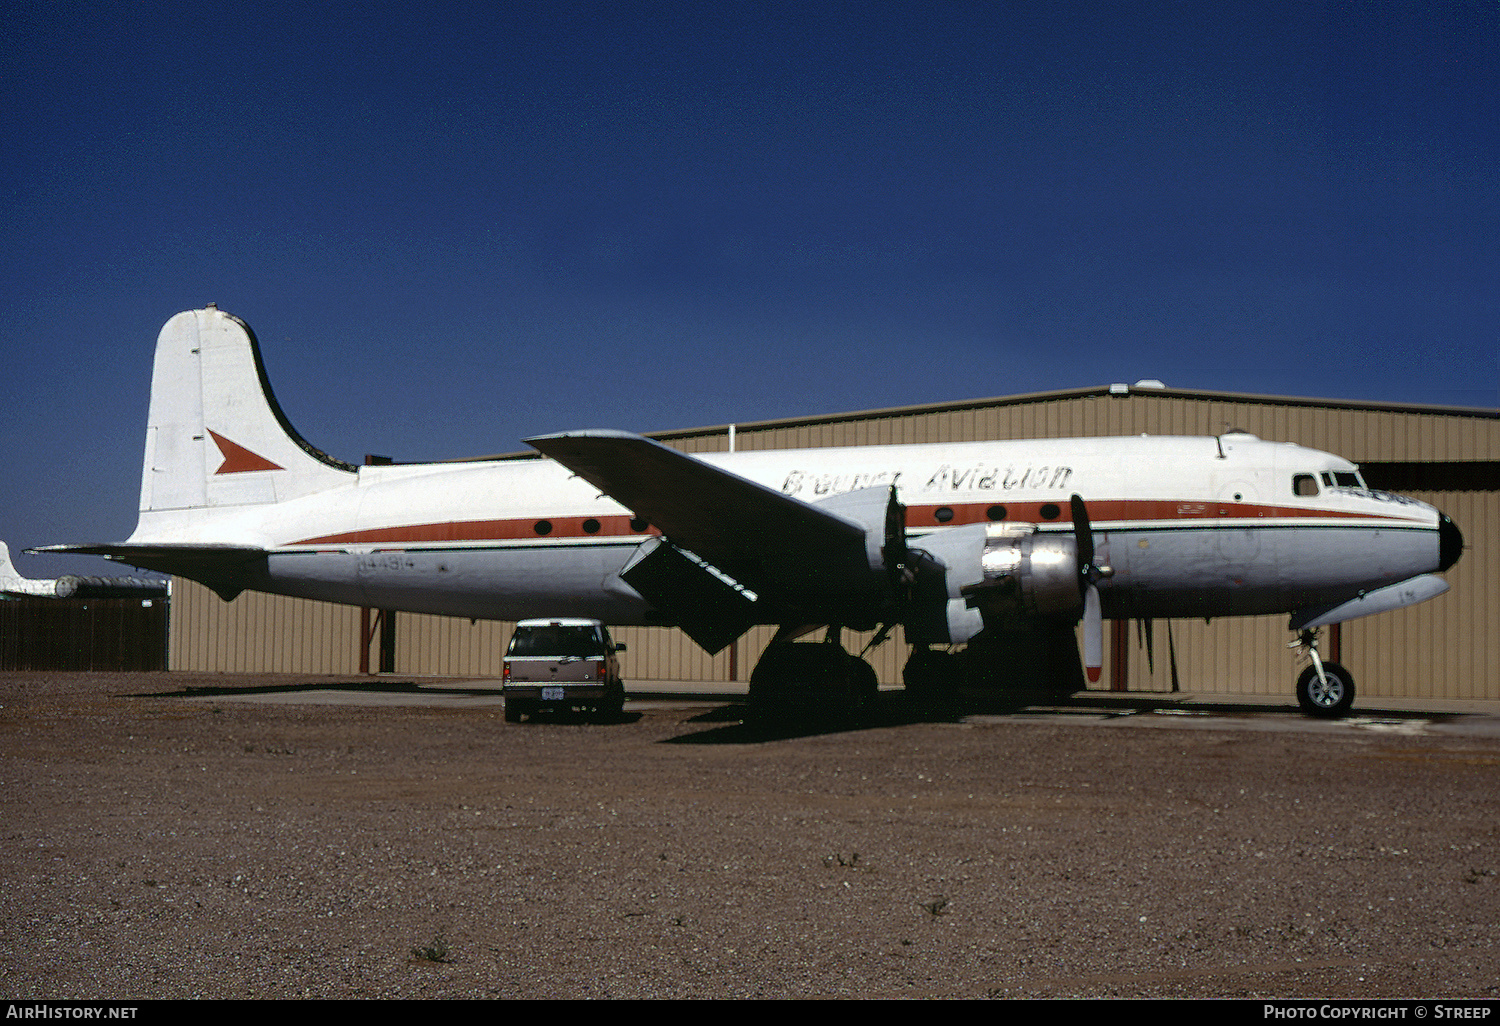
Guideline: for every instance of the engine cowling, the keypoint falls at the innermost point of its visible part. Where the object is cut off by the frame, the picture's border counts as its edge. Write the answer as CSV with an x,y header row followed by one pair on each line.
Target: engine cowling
x,y
997,576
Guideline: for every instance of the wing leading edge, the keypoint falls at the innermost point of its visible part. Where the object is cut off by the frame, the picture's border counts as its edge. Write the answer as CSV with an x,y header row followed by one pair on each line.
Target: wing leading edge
x,y
788,551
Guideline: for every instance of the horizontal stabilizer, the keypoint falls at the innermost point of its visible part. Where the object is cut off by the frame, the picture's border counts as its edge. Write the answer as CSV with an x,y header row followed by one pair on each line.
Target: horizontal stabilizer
x,y
226,569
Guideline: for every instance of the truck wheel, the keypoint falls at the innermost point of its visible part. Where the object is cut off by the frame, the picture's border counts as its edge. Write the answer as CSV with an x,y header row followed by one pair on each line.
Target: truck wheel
x,y
613,706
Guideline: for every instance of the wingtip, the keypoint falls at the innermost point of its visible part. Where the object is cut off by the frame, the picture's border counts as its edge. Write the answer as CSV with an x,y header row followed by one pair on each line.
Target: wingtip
x,y
539,441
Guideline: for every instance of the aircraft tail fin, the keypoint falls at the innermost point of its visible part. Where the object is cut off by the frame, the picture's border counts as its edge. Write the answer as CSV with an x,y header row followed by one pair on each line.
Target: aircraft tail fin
x,y
216,436
7,568
12,583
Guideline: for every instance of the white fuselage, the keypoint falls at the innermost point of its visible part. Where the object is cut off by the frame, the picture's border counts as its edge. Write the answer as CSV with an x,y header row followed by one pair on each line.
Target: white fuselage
x,y
1196,526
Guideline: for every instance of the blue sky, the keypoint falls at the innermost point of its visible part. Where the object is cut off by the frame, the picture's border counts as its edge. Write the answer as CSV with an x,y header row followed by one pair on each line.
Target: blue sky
x,y
456,225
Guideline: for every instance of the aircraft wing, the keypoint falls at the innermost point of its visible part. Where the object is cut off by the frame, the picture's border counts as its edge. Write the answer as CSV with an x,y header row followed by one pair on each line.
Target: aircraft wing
x,y
224,568
776,545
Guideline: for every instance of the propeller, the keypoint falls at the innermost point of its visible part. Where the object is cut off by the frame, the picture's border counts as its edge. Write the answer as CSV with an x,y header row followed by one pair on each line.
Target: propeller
x,y
896,552
1089,575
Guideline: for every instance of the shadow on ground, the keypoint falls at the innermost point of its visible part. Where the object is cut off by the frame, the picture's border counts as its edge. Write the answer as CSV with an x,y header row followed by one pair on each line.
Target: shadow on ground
x,y
733,721
737,724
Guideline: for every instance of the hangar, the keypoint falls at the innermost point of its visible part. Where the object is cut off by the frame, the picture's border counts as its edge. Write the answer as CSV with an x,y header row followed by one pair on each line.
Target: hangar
x,y
1445,648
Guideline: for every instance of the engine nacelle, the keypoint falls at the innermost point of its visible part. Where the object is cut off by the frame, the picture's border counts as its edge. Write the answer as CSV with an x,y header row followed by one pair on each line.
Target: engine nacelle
x,y
1026,574
996,576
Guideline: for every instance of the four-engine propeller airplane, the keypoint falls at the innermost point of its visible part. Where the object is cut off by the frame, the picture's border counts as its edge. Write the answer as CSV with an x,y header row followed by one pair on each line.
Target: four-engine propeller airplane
x,y
13,585
1000,546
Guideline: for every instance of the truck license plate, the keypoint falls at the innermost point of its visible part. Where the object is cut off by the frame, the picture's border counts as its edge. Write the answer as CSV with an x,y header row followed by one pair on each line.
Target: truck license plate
x,y
552,694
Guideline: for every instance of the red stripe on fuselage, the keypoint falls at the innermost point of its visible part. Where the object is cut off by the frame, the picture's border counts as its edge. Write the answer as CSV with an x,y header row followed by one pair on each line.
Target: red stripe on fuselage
x,y
1101,513
489,530
1104,511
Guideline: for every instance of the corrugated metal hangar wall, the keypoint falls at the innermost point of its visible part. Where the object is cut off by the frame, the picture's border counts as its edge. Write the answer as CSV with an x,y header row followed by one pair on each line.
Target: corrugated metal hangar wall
x,y
1448,647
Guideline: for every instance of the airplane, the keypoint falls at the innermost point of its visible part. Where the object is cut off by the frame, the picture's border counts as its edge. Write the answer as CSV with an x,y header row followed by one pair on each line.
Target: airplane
x,y
12,583
72,586
998,548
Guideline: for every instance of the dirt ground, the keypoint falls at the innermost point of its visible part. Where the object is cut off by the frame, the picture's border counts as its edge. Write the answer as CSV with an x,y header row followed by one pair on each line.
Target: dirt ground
x,y
164,841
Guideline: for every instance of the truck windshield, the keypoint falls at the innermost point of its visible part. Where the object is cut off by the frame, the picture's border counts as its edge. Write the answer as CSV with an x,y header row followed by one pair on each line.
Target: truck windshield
x,y
556,640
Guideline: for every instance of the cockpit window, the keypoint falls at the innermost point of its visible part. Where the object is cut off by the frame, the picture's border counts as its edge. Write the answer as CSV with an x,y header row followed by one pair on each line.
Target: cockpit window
x,y
1345,479
1304,484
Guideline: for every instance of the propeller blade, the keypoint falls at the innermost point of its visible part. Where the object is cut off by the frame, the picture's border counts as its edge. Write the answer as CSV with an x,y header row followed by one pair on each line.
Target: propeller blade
x,y
1084,534
1093,634
896,552
1088,585
1147,626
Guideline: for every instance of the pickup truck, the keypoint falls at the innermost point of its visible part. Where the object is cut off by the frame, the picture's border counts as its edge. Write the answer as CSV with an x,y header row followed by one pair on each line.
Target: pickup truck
x,y
562,664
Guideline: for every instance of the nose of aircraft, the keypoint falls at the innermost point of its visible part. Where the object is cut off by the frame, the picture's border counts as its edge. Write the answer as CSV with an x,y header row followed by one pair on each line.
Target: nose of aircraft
x,y
1450,542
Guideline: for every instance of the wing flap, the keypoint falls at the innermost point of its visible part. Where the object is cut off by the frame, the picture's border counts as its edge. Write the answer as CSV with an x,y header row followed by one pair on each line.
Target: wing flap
x,y
778,546
710,610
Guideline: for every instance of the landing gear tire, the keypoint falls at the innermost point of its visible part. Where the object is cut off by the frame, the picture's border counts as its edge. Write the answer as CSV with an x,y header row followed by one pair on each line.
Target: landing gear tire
x,y
928,671
866,683
809,678
613,706
932,678
1326,699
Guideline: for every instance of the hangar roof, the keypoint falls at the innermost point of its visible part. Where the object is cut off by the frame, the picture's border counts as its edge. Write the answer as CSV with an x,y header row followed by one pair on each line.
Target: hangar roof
x,y
1114,391
1361,431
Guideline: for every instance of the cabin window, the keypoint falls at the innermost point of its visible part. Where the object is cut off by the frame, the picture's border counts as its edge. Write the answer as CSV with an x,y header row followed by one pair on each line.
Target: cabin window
x,y
1304,484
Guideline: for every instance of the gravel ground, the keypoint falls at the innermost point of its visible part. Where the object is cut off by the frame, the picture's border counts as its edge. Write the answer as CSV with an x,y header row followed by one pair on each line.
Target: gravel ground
x,y
158,846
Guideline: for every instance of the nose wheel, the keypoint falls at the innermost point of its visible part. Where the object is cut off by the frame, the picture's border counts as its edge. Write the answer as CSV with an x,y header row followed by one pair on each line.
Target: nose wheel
x,y
1324,690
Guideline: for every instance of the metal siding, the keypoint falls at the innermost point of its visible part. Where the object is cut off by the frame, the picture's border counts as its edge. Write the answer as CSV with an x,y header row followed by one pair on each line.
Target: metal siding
x,y
1448,647
259,633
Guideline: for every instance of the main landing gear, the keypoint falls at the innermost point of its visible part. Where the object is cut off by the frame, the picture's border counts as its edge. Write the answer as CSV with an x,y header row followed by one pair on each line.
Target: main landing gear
x,y
810,677
1324,690
932,678
929,671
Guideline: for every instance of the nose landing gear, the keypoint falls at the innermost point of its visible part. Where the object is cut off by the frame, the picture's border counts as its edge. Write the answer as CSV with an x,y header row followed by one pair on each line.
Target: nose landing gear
x,y
1324,690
